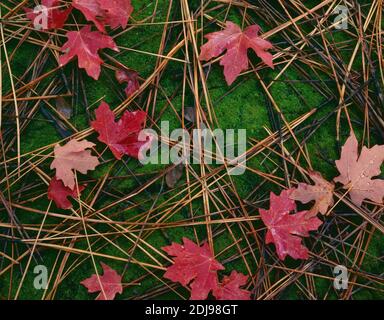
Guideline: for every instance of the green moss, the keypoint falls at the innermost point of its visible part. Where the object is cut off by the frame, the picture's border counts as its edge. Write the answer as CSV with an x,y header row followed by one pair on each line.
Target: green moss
x,y
244,105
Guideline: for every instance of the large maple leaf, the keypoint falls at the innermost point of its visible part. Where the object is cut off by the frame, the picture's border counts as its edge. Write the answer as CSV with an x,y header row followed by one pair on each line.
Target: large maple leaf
x,y
56,17
193,265
321,192
60,193
73,156
229,288
123,136
85,44
356,172
236,43
284,229
102,12
108,284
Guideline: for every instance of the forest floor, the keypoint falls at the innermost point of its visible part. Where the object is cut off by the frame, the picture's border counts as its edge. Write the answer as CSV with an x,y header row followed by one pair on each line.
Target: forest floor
x,y
326,82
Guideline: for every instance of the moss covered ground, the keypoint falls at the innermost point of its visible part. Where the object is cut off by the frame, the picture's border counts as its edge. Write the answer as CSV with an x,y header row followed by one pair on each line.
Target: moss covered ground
x,y
244,105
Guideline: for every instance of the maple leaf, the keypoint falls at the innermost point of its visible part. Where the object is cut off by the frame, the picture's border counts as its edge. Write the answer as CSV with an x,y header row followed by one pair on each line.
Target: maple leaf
x,y
59,193
123,136
284,229
109,284
356,172
101,12
321,192
229,288
117,12
73,156
193,265
131,78
236,43
92,12
56,17
85,44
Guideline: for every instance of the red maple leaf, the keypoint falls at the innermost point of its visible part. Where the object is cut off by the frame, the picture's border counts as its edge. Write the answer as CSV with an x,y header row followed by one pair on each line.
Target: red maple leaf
x,y
56,17
85,44
92,12
193,265
109,284
284,229
356,172
123,136
236,43
229,288
102,12
131,78
117,12
60,193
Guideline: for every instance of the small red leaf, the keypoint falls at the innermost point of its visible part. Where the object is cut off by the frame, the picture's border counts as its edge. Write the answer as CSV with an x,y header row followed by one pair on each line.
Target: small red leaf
x,y
131,78
56,17
109,284
229,288
60,193
123,136
174,175
236,43
193,265
117,12
85,44
102,12
284,229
